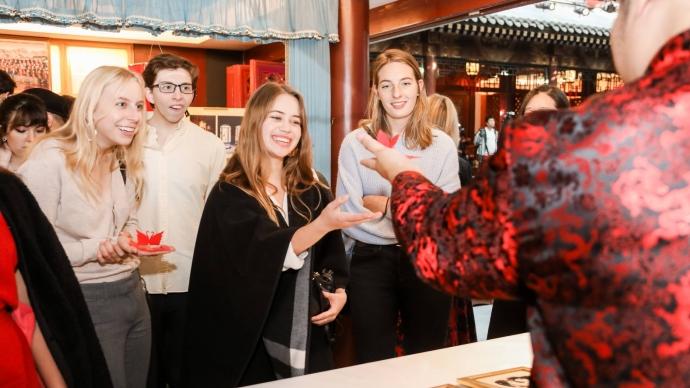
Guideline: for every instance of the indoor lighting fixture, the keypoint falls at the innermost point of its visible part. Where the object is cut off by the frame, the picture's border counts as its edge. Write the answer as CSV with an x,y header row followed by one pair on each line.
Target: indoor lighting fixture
x,y
584,11
609,7
550,5
472,68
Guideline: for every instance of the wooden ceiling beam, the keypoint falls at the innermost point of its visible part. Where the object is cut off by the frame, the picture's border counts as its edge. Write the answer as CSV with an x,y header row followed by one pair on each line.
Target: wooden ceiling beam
x,y
407,16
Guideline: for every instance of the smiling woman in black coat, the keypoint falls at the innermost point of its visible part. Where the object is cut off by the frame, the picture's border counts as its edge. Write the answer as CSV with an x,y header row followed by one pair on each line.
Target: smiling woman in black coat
x,y
266,226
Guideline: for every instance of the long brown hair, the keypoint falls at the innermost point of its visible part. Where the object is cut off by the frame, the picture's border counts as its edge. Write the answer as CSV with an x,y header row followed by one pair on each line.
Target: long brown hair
x,y
244,169
418,131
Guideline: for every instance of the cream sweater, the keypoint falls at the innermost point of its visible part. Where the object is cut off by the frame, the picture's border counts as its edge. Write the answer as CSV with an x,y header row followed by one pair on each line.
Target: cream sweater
x,y
80,223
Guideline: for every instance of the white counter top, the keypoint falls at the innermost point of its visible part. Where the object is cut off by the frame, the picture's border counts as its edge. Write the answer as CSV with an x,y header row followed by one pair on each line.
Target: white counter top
x,y
428,369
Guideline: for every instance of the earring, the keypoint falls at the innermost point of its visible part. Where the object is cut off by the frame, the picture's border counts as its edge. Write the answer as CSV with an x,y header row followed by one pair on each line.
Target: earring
x,y
4,139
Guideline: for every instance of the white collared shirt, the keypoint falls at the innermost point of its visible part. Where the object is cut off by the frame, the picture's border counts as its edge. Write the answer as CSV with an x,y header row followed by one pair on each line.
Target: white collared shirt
x,y
178,178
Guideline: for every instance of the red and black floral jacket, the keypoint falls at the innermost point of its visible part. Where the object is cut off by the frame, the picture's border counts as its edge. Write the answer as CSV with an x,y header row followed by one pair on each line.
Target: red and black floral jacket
x,y
586,217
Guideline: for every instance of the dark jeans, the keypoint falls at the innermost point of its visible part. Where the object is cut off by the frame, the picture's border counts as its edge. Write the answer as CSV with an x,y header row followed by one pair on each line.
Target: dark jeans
x,y
382,285
168,320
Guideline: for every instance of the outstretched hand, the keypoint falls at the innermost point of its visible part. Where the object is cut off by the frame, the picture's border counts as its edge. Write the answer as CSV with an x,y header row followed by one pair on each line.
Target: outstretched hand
x,y
333,218
386,161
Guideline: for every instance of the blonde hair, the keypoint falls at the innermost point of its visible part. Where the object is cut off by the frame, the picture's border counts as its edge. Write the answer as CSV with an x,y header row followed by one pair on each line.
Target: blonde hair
x,y
417,131
245,170
76,136
442,113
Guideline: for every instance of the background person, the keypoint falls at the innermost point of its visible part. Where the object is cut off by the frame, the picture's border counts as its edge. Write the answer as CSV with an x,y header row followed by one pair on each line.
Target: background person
x,y
68,354
7,85
486,140
57,106
23,121
509,317
443,114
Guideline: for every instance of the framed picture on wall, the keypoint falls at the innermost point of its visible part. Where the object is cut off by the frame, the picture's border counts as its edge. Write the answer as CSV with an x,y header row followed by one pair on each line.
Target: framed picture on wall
x,y
27,62
223,122
206,122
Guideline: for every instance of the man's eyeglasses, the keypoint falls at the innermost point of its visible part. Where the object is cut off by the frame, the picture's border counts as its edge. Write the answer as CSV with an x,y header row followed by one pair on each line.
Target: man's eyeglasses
x,y
169,87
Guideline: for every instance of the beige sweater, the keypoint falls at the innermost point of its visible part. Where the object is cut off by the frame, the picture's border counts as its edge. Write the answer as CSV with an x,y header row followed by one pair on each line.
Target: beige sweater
x,y
79,223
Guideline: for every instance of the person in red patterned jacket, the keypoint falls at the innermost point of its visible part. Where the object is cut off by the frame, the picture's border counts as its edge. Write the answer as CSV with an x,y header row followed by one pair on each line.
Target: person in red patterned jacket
x,y
586,217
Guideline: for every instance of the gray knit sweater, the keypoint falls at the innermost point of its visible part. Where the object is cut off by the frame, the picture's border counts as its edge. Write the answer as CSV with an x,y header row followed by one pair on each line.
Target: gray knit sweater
x,y
438,162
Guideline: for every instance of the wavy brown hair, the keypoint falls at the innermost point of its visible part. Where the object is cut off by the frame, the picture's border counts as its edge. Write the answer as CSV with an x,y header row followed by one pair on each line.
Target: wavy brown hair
x,y
245,169
418,130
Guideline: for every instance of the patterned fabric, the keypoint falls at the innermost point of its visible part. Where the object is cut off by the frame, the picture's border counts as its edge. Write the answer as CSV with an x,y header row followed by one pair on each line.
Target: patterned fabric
x,y
587,218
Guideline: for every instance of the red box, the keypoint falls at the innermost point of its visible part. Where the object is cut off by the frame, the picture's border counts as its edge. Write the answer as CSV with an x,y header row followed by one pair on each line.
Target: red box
x,y
237,90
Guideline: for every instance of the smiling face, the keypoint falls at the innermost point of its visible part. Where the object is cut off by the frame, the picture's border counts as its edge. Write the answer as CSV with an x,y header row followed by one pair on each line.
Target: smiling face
x,y
170,107
118,114
397,90
20,139
281,130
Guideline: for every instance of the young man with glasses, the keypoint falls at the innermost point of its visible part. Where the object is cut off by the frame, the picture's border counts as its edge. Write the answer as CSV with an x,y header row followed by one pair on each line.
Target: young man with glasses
x,y
182,163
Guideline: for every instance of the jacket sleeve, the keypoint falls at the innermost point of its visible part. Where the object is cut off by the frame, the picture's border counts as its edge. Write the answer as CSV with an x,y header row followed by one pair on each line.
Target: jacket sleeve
x,y
463,243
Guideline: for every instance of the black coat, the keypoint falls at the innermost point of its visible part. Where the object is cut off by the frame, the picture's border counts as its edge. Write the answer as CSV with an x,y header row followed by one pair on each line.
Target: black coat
x,y
237,266
54,292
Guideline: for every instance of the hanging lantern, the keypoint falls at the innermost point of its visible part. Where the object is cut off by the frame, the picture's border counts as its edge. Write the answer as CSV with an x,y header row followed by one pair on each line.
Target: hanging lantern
x,y
472,68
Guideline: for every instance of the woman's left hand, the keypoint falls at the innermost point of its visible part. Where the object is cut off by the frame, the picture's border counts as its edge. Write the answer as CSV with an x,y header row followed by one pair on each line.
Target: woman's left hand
x,y
337,300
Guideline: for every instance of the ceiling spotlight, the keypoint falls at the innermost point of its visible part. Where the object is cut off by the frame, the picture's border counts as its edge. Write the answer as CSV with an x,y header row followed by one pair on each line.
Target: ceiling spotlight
x,y
550,5
584,11
610,7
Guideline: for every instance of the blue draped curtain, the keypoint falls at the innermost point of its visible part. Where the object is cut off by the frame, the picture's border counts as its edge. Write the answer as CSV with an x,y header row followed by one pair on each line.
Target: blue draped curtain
x,y
309,71
266,20
307,27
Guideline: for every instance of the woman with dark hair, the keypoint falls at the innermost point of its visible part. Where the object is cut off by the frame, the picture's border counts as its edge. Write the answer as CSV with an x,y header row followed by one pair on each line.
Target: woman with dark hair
x,y
23,119
509,317
544,97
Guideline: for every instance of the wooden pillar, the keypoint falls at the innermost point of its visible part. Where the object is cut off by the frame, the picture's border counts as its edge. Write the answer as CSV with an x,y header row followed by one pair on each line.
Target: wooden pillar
x,y
349,74
429,64
589,83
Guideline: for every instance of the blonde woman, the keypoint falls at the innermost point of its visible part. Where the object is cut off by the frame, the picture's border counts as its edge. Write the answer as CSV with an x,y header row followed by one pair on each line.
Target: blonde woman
x,y
383,285
267,225
87,179
443,115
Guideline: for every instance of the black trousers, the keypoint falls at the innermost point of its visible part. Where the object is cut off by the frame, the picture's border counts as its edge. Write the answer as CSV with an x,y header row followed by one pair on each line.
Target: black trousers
x,y
508,317
383,285
168,320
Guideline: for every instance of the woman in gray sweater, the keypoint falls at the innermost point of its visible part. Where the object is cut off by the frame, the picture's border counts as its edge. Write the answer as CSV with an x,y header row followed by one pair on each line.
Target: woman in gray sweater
x,y
78,177
383,285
